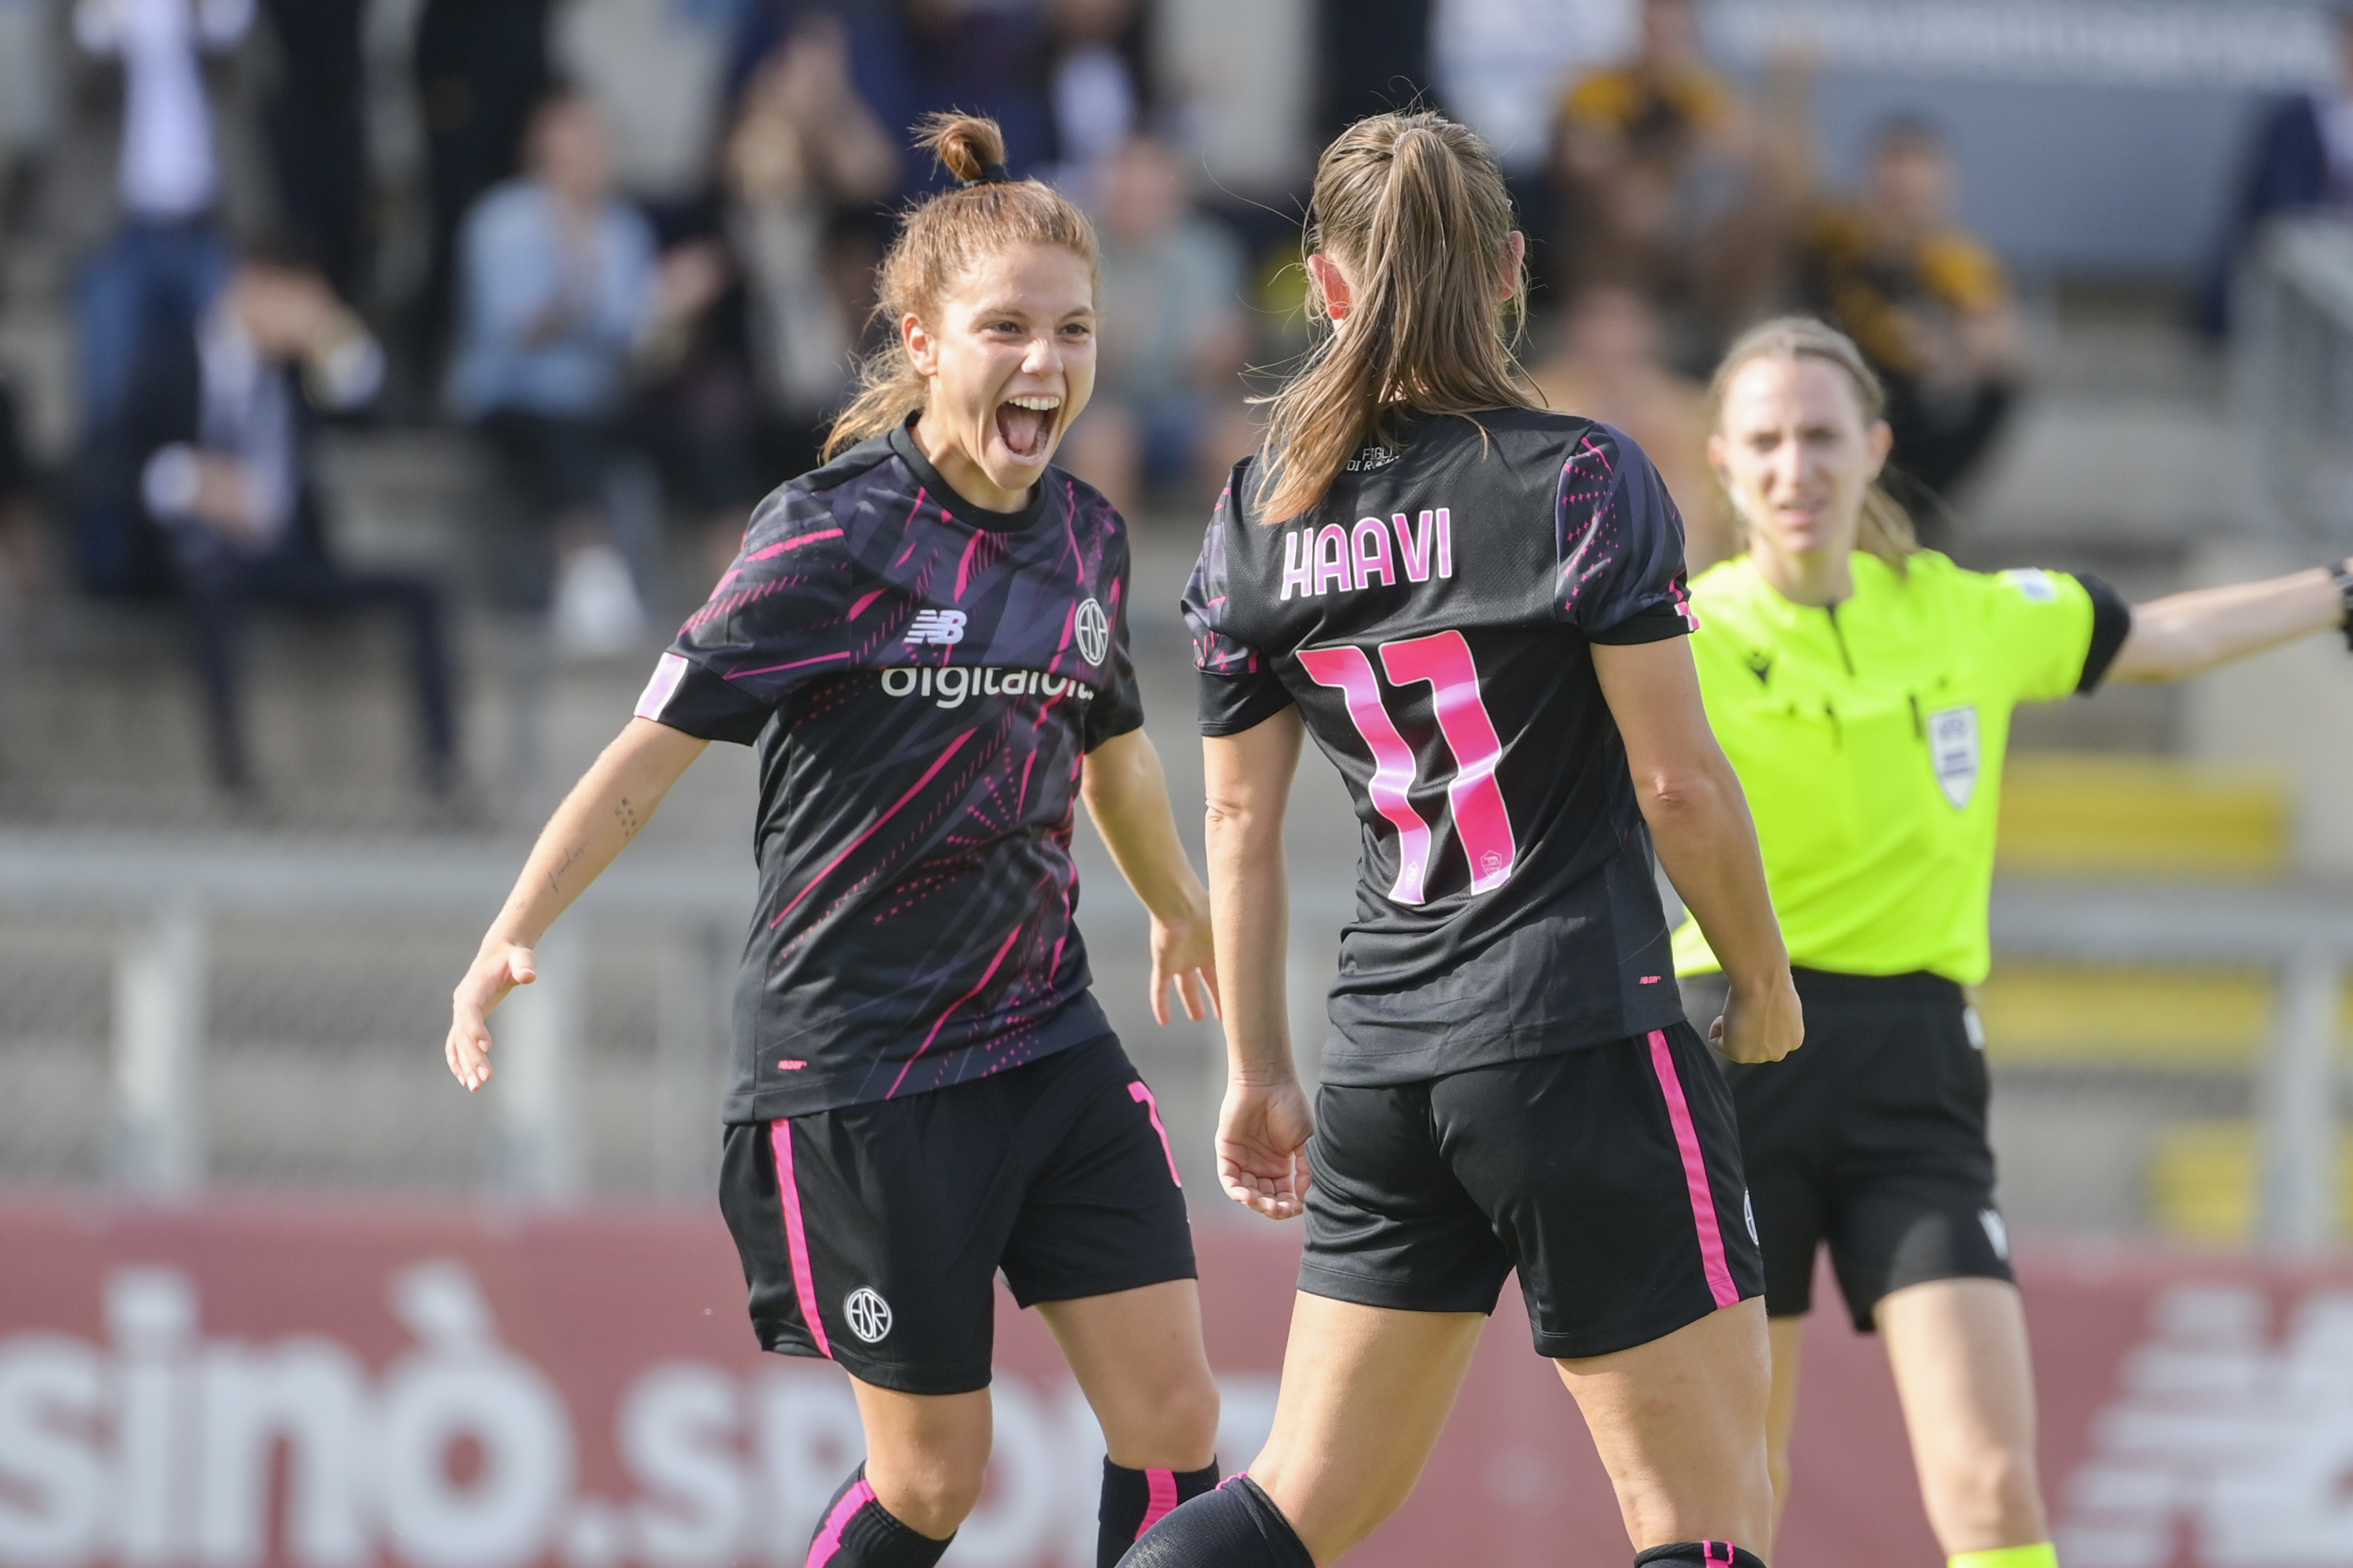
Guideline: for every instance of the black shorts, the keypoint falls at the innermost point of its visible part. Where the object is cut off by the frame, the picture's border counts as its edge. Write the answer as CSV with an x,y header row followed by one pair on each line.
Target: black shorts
x,y
1609,1177
1872,1137
879,1246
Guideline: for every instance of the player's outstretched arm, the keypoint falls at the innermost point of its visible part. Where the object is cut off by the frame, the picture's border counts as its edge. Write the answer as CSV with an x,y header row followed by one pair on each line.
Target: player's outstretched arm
x,y
1699,820
1264,1125
613,800
1127,791
2184,634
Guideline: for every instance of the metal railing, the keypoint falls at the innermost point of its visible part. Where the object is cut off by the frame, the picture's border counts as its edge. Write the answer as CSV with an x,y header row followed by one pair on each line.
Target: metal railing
x,y
2292,382
2302,932
164,892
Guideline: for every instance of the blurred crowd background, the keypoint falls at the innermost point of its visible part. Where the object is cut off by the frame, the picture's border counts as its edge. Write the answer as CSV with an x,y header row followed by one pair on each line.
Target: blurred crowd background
x,y
381,380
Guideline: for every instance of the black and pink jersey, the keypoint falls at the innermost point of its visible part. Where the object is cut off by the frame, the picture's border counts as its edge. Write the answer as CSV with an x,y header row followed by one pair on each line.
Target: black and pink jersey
x,y
924,679
1432,620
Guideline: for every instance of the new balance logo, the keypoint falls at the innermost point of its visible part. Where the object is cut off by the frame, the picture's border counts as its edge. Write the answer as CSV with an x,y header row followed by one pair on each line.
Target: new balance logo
x,y
945,627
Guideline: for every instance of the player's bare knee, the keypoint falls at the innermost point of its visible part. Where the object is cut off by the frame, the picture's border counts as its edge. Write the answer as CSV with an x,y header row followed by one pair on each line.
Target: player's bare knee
x,y
1188,1416
1991,1481
934,1495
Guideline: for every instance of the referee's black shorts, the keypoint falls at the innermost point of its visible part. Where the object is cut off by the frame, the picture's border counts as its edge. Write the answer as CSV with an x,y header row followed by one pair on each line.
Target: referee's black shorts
x,y
1872,1138
872,1235
1609,1177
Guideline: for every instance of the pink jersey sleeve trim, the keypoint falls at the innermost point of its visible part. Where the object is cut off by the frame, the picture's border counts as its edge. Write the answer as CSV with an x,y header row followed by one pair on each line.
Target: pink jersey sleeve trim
x,y
780,1135
1702,1200
669,670
773,551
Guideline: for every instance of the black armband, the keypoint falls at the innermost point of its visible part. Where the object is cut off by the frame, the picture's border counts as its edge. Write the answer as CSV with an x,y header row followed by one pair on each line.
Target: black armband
x,y
2340,573
2111,624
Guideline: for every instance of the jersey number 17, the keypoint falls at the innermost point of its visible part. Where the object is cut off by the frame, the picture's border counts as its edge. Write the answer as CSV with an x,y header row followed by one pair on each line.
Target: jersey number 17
x,y
1443,660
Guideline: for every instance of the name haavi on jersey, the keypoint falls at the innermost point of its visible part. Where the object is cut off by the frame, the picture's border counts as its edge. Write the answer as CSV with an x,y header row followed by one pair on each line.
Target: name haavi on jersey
x,y
948,685
1337,558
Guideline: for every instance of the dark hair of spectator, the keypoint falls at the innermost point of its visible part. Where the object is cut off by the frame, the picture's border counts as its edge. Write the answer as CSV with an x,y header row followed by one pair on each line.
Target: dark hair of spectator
x,y
281,250
940,242
1906,133
1413,207
555,94
1885,530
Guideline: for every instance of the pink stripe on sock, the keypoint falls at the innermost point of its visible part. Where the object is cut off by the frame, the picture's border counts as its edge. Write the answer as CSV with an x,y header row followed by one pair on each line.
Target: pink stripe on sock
x,y
1142,1094
828,1543
1162,1489
780,1135
1702,1201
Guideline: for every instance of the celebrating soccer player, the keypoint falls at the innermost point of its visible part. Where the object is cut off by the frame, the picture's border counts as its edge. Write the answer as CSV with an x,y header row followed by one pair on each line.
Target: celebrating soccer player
x,y
1863,687
1477,610
927,640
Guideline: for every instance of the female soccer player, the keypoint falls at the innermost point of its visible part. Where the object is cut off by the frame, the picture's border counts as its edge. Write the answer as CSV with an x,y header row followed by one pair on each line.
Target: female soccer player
x,y
1863,687
927,639
1476,609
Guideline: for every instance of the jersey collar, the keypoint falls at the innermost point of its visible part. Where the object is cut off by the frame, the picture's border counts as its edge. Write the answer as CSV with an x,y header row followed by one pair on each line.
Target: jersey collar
x,y
902,442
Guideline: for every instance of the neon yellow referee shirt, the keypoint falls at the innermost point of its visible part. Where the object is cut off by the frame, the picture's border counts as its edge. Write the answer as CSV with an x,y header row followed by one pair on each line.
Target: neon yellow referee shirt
x,y
1869,739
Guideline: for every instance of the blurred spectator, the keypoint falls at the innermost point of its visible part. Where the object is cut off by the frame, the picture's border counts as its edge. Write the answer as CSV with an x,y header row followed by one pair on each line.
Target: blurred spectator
x,y
2302,162
657,71
1924,302
991,56
19,551
565,299
1167,400
1502,66
1375,58
1605,365
167,255
1101,81
316,121
28,98
212,451
481,66
805,156
1666,181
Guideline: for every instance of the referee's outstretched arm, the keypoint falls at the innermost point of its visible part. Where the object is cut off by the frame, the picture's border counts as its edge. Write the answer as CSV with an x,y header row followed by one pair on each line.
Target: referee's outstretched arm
x,y
2183,635
1705,839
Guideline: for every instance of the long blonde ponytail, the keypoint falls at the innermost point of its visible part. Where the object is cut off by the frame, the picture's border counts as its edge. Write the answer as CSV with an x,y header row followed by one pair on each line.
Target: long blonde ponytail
x,y
1413,207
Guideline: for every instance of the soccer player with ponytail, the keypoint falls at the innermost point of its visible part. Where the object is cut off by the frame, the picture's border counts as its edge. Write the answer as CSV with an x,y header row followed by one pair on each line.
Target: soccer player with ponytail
x,y
1476,609
927,640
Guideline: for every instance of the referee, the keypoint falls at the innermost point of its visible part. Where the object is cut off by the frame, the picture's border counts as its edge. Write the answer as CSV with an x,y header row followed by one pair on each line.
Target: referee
x,y
1862,687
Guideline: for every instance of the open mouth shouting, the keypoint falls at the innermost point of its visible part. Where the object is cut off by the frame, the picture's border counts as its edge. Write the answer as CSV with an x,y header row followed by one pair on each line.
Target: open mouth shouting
x,y
1028,426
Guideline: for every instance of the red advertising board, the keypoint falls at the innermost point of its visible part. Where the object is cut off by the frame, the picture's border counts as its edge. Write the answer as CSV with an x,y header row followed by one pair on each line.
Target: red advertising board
x,y
239,1385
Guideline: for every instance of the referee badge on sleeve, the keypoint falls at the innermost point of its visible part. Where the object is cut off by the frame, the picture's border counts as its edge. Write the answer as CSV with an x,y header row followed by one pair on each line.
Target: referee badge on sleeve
x,y
1953,747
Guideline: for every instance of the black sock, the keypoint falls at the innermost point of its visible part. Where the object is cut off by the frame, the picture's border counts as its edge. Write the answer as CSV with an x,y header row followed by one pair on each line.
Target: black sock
x,y
1701,1554
1135,1500
858,1531
1236,1526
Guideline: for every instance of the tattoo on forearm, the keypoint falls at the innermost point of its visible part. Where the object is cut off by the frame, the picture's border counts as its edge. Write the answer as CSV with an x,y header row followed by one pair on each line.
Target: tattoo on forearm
x,y
555,876
627,815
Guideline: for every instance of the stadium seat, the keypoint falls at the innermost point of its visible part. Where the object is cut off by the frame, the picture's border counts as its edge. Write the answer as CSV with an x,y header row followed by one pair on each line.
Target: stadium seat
x,y
2079,815
2203,1178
